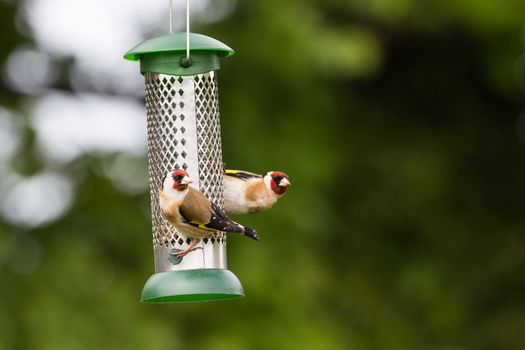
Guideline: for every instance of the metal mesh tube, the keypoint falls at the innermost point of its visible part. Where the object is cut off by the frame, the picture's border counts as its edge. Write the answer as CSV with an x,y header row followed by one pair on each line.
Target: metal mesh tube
x,y
184,133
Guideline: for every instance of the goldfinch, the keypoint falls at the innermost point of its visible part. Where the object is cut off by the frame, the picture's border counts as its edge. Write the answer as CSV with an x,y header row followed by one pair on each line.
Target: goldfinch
x,y
190,212
246,192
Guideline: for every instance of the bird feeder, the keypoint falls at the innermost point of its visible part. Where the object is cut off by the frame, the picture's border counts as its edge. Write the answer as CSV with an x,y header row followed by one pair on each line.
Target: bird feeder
x,y
183,126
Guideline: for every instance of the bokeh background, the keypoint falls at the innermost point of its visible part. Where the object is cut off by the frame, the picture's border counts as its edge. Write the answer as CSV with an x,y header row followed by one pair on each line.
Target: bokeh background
x,y
400,122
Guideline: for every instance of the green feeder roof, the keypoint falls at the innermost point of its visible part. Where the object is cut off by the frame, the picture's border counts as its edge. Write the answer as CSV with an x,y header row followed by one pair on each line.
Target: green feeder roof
x,y
176,43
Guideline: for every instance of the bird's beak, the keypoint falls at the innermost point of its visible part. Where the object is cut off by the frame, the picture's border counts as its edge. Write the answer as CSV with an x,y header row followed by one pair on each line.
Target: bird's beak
x,y
284,182
186,181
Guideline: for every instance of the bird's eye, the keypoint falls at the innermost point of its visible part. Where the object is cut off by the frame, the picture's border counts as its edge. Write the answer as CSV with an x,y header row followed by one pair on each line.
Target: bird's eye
x,y
177,178
277,178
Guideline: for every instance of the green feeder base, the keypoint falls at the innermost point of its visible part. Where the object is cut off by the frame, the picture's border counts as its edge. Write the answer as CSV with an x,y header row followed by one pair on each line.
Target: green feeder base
x,y
191,285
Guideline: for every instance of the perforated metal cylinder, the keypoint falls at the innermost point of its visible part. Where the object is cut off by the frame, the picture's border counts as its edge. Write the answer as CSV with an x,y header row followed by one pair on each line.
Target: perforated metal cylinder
x,y
184,133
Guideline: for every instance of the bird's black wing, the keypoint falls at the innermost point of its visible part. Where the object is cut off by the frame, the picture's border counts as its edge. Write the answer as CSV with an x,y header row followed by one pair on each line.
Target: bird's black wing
x,y
240,174
219,221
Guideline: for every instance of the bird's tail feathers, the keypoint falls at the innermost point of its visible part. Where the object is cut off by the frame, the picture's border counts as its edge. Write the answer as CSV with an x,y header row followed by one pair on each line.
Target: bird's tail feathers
x,y
250,233
235,227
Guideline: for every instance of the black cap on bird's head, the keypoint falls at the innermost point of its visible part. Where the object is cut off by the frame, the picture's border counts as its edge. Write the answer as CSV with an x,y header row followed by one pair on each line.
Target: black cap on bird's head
x,y
279,182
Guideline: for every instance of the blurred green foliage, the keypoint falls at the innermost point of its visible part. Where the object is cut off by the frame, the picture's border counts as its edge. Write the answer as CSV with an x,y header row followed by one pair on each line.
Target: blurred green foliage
x,y
398,122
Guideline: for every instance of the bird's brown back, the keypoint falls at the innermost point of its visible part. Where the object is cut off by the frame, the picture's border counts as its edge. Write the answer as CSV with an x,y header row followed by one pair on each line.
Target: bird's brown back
x,y
254,189
196,207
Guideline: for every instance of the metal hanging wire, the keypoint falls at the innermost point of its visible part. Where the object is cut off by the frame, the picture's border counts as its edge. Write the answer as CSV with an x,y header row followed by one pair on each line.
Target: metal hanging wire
x,y
170,12
187,61
188,31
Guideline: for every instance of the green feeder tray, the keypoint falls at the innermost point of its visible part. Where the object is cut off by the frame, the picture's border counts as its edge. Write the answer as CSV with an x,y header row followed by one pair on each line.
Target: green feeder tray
x,y
191,285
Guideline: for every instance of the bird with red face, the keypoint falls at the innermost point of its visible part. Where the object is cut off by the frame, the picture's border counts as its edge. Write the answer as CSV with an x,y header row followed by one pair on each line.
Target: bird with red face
x,y
192,214
246,192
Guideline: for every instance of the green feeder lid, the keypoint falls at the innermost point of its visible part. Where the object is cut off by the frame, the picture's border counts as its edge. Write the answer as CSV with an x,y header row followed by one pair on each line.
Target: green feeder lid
x,y
166,54
176,43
